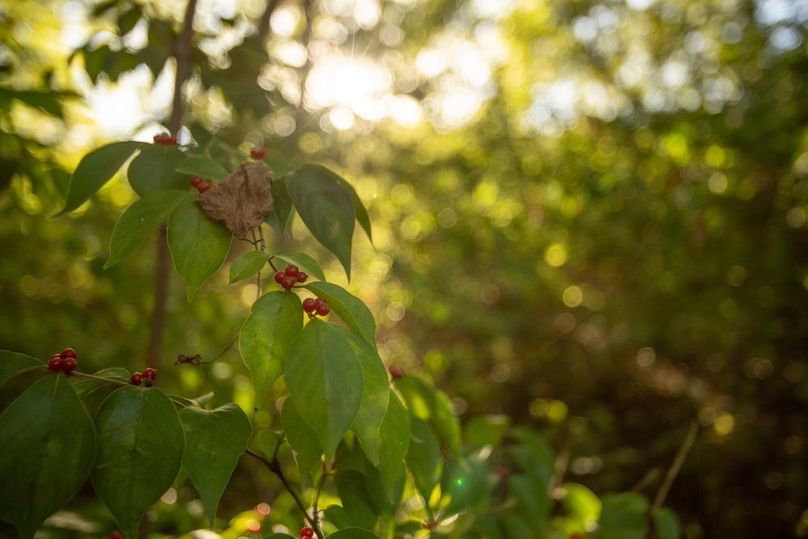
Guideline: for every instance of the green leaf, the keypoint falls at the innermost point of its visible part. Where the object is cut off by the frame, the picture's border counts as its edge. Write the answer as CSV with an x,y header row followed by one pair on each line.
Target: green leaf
x,y
12,364
325,381
622,516
534,502
140,446
95,169
85,386
214,441
466,482
581,505
349,308
356,501
266,338
361,213
198,245
247,265
666,524
326,208
515,526
353,533
432,405
48,450
303,441
424,458
394,443
139,221
305,263
375,396
153,170
281,215
202,166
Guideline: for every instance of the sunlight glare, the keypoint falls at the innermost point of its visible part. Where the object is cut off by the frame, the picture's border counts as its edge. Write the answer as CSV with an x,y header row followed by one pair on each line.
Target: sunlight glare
x,y
339,80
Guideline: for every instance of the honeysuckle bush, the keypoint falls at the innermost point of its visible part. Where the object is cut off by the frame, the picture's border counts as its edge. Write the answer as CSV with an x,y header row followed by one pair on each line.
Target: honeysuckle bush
x,y
363,452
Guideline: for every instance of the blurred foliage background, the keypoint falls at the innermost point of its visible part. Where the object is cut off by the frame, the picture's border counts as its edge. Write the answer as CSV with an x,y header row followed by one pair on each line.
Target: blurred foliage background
x,y
589,216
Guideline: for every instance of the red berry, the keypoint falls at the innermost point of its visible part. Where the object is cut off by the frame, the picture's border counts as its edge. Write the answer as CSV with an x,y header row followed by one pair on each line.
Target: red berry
x,y
149,373
318,302
115,535
136,378
279,277
308,305
291,270
196,180
55,363
323,309
158,139
396,372
302,277
68,352
68,364
204,186
306,533
258,153
289,281
171,139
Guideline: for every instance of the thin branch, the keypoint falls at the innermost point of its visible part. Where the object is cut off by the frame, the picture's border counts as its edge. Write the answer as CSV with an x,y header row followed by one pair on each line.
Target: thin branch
x,y
274,466
315,511
182,55
676,466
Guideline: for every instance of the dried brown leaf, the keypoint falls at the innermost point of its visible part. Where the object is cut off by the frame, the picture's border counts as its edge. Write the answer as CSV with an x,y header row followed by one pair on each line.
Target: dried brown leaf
x,y
242,201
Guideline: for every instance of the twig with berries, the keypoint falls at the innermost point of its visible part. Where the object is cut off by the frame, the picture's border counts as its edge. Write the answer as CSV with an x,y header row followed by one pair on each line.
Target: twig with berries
x,y
290,277
64,361
147,377
316,307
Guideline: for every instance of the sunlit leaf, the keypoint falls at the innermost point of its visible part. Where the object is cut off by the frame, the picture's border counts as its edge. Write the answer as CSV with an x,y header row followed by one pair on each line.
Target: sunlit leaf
x,y
326,208
154,169
198,245
266,338
139,221
247,265
349,308
303,440
202,166
95,169
325,380
305,263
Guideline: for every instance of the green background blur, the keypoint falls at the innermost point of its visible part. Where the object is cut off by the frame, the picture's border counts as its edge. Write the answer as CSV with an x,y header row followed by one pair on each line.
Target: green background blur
x,y
590,216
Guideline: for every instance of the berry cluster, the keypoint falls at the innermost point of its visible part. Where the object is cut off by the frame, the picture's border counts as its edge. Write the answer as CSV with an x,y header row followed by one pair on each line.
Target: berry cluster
x,y
64,361
306,533
165,139
200,184
146,377
290,276
258,153
316,306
